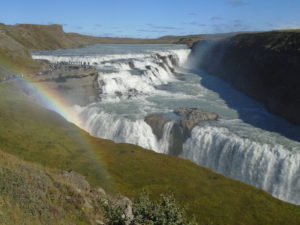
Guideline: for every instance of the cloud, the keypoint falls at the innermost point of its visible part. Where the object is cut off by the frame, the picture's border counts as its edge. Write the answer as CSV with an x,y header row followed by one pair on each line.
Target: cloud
x,y
194,23
192,14
97,25
215,18
286,26
235,3
78,28
150,31
107,35
88,33
162,27
230,27
51,23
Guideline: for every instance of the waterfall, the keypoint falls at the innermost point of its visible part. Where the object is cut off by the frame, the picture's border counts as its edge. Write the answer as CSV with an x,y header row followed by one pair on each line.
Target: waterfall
x,y
271,168
128,75
132,86
164,142
122,130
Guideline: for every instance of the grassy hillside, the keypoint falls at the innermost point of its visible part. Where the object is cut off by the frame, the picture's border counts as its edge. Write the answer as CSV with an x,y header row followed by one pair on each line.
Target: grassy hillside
x,y
47,37
38,135
32,195
49,144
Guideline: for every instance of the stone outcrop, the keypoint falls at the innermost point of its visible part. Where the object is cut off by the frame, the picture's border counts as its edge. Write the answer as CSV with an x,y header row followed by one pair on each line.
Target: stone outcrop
x,y
77,83
192,116
264,66
184,120
157,123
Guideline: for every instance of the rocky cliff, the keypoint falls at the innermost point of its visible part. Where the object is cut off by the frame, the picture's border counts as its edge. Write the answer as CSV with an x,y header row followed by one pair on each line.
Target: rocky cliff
x,y
265,66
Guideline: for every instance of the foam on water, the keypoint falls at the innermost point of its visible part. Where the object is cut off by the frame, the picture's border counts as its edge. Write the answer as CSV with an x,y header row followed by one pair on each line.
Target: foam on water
x,y
247,143
270,167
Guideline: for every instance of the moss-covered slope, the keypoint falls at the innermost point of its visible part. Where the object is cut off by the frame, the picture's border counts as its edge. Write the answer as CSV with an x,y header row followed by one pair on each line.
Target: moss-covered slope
x,y
31,194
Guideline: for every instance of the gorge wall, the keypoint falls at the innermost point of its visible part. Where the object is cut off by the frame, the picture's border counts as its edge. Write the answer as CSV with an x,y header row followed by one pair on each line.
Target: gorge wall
x,y
264,66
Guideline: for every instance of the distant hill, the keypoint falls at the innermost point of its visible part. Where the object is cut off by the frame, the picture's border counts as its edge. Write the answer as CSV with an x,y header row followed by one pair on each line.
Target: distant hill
x,y
18,41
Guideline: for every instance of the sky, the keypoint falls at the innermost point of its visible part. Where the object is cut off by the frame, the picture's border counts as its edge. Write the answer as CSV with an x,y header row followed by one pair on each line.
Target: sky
x,y
154,18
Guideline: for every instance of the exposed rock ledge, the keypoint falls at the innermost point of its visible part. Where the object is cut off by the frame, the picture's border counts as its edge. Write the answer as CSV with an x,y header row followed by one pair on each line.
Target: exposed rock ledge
x,y
192,116
184,119
77,83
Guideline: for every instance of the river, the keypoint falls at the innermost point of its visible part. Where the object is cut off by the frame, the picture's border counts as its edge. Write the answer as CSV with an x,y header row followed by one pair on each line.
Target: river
x,y
247,143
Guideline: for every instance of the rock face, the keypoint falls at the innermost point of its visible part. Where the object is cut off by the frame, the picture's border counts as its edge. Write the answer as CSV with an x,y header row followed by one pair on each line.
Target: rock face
x,y
157,123
78,84
192,116
184,120
264,66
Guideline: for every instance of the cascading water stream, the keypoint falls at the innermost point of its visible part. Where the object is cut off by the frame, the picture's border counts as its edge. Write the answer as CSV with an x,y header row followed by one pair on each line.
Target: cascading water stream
x,y
269,167
136,81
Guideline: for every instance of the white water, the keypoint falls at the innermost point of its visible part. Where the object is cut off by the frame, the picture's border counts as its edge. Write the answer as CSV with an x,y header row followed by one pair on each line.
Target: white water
x,y
247,143
269,167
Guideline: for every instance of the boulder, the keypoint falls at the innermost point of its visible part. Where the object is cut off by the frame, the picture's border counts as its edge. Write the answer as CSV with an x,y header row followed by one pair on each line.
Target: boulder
x,y
193,116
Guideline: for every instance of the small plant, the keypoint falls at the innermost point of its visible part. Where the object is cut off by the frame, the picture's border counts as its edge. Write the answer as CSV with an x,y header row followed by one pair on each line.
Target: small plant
x,y
114,213
163,212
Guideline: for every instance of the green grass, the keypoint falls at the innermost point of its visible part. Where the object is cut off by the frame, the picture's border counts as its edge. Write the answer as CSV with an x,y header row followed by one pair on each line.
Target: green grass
x,y
33,195
18,64
38,135
211,198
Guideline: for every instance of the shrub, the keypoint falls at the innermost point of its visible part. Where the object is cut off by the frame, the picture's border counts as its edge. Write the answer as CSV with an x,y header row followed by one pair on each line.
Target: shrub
x,y
115,214
165,211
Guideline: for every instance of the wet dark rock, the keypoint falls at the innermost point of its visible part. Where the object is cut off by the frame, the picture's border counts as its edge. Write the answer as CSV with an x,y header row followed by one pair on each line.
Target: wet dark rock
x,y
157,123
174,60
265,66
193,116
184,119
131,65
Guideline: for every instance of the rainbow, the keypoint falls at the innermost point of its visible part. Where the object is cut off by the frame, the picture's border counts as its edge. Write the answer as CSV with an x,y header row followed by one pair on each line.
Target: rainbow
x,y
49,97
54,102
51,100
